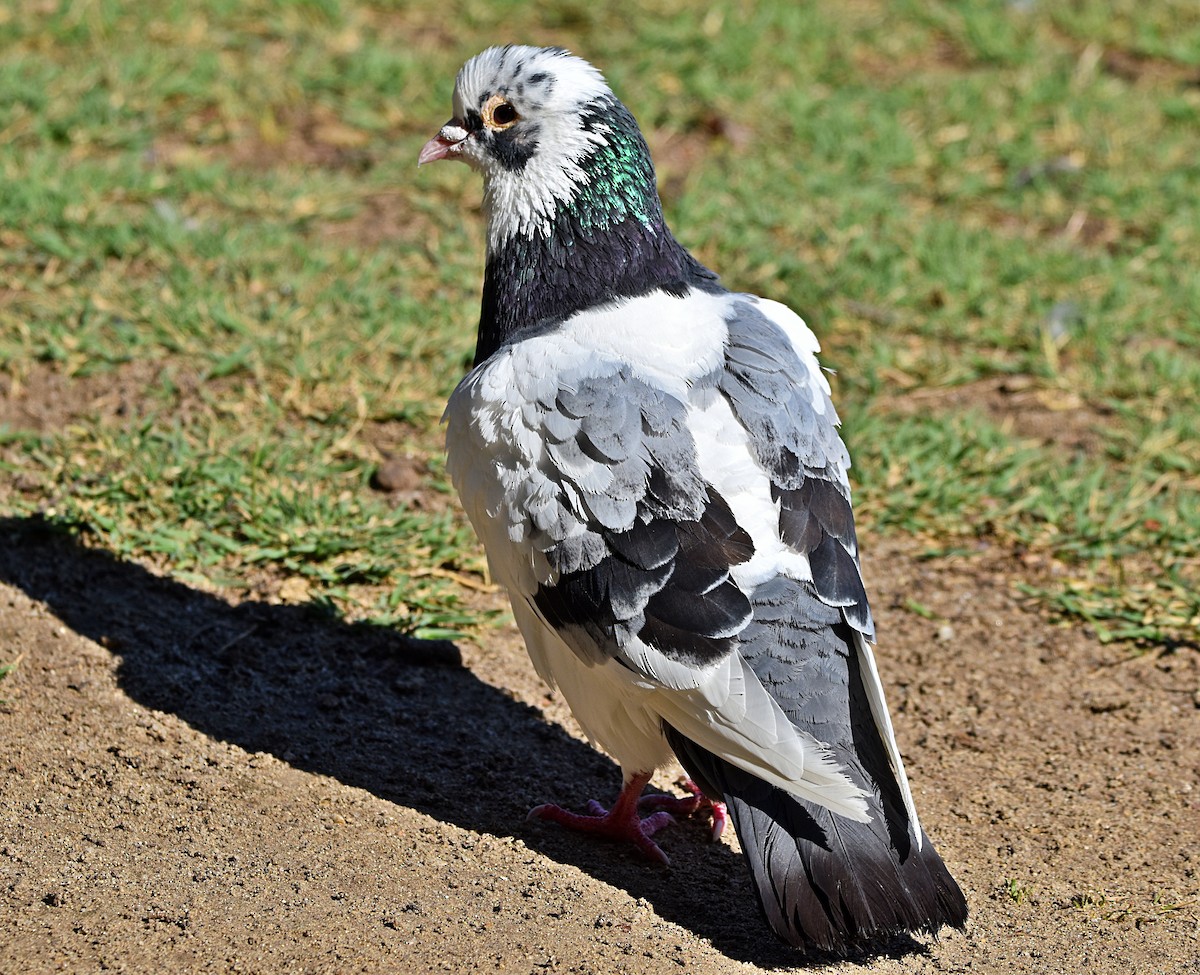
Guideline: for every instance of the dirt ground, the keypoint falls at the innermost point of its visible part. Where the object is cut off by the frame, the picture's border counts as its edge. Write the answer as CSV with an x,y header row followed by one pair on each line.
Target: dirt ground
x,y
189,785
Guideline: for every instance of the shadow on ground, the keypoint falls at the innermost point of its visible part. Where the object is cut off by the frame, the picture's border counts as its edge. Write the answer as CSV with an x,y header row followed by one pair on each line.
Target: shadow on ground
x,y
374,709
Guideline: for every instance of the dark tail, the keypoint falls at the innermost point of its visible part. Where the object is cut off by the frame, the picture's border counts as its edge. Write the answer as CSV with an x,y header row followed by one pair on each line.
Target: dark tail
x,y
826,882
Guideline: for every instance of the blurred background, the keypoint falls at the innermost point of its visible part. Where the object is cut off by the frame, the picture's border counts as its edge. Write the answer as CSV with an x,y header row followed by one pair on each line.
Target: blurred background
x,y
231,308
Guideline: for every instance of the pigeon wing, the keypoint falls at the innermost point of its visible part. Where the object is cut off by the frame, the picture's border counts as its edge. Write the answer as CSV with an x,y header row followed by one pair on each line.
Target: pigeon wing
x,y
615,540
824,880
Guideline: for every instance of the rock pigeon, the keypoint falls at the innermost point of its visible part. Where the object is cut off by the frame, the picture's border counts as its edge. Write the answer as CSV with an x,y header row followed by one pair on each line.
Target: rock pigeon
x,y
653,465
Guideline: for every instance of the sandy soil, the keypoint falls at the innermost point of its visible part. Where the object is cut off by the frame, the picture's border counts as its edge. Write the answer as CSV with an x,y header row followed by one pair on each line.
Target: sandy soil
x,y
188,785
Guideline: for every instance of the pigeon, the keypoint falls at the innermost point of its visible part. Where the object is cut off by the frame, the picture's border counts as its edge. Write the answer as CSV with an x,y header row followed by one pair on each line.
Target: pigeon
x,y
653,465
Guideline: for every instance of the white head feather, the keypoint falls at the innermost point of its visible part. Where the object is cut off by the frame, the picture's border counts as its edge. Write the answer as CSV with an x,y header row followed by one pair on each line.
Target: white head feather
x,y
549,88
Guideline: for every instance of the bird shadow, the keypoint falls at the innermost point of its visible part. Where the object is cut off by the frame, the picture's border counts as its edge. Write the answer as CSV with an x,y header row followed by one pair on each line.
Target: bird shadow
x,y
378,710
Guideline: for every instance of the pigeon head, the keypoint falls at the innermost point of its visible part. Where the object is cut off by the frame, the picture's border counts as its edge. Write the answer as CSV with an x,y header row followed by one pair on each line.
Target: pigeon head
x,y
574,218
515,103
547,133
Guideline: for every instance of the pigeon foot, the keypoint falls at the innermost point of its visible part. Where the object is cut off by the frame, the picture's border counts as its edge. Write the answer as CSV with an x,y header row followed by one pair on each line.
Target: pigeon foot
x,y
697,802
622,822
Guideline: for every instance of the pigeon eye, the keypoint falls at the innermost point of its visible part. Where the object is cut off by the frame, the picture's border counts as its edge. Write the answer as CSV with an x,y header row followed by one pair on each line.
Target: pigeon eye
x,y
499,114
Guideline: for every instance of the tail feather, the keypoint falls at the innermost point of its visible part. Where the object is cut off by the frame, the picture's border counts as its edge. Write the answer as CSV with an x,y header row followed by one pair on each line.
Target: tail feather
x,y
826,882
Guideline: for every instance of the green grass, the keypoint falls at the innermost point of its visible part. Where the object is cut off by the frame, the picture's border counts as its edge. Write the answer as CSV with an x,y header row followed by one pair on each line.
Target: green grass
x,y
225,278
6,670
1017,892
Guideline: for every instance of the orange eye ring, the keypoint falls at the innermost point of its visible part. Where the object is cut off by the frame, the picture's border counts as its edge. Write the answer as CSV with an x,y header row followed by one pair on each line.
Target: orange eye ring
x,y
499,113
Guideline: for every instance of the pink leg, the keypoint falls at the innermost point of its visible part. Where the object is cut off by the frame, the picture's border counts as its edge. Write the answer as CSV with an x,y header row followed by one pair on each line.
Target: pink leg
x,y
696,802
622,822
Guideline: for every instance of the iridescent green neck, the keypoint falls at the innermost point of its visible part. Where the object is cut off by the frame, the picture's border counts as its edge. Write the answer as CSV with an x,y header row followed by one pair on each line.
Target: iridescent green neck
x,y
620,175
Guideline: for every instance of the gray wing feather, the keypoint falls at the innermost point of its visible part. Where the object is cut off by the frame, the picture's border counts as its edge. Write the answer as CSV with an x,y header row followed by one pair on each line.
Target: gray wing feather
x,y
639,545
791,420
793,433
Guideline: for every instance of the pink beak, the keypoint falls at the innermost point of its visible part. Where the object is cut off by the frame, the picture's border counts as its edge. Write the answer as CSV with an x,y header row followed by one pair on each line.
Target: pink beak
x,y
443,145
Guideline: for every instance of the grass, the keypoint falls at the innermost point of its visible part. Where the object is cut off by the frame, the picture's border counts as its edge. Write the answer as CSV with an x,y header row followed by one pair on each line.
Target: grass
x,y
7,669
1017,892
228,294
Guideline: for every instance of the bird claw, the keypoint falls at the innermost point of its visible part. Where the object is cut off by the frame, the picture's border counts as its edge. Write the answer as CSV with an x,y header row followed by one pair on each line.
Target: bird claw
x,y
689,806
621,822
720,816
624,821
611,826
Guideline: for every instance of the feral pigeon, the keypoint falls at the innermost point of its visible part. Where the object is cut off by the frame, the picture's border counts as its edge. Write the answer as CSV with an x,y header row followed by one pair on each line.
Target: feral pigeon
x,y
653,465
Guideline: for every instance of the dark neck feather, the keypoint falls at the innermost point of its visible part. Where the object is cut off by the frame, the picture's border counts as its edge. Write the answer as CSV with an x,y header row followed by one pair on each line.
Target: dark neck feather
x,y
609,242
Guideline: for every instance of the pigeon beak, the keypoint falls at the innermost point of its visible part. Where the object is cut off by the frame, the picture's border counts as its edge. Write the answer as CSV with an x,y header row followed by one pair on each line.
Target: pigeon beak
x,y
446,144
